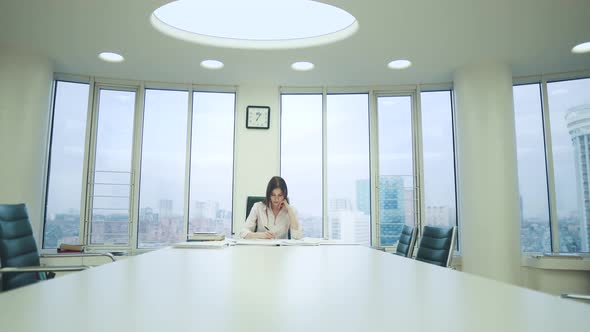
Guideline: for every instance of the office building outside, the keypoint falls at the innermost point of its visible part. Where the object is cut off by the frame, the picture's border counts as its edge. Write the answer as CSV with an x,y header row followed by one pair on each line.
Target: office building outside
x,y
578,125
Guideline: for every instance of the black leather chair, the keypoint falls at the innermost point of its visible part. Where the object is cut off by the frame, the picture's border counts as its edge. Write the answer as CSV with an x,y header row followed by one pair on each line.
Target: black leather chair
x,y
436,245
19,256
407,240
251,201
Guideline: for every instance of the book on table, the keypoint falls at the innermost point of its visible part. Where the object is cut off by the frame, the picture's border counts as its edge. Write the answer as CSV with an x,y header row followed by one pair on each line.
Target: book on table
x,y
65,248
206,236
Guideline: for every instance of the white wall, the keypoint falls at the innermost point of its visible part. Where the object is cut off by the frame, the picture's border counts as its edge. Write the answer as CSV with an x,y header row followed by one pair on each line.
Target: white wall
x,y
257,151
25,87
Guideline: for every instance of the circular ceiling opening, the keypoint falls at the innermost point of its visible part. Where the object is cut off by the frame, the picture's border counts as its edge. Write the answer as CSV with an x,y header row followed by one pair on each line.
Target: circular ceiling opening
x,y
255,24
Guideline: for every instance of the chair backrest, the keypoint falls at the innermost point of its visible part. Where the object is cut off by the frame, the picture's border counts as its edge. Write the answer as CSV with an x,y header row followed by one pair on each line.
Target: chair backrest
x,y
407,239
251,201
17,245
436,245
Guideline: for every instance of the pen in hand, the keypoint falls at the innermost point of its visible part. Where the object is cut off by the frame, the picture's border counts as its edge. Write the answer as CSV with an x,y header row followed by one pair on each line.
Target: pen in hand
x,y
268,231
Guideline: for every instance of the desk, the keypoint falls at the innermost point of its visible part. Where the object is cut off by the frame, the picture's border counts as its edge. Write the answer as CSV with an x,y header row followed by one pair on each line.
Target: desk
x,y
247,288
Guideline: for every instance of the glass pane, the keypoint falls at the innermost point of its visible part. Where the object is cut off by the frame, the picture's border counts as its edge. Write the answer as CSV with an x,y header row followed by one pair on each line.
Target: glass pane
x,y
439,161
535,234
349,213
64,190
569,106
396,173
212,158
161,195
301,158
114,143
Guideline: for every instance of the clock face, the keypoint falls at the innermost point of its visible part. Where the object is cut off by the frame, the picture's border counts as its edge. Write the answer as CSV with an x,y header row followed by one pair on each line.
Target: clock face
x,y
258,117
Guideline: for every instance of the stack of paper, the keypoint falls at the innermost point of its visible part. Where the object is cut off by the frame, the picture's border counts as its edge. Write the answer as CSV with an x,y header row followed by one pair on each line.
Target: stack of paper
x,y
202,244
206,236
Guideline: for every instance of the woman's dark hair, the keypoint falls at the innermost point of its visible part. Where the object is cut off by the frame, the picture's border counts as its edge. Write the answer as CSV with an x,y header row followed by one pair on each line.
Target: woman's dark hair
x,y
274,183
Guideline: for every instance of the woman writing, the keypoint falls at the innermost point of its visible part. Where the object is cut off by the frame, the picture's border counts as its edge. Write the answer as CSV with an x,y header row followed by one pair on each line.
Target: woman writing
x,y
274,217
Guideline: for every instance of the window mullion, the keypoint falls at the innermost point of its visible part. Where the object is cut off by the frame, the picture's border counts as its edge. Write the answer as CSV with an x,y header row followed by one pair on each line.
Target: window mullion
x,y
419,206
325,222
136,167
554,225
187,172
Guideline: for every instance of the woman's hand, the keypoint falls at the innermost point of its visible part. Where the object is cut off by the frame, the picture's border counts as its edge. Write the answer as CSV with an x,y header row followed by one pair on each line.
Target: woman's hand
x,y
284,204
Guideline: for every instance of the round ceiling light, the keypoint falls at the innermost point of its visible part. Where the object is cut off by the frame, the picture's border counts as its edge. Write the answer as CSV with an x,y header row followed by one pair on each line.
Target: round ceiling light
x,y
581,48
211,64
254,24
399,64
302,66
111,57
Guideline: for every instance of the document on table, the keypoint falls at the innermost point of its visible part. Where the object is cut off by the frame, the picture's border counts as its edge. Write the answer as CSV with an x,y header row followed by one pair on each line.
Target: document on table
x,y
202,244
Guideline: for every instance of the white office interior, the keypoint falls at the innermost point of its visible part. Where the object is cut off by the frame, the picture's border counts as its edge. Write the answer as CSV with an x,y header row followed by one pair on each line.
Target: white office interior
x,y
482,89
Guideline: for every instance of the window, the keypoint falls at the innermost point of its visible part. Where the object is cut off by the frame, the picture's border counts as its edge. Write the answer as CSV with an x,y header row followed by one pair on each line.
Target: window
x,y
212,151
348,176
535,232
555,214
396,167
569,111
131,178
111,185
163,162
301,157
65,180
438,158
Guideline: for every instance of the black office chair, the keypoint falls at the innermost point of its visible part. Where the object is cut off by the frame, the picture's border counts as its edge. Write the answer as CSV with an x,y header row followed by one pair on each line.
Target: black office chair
x,y
407,240
19,256
436,245
250,201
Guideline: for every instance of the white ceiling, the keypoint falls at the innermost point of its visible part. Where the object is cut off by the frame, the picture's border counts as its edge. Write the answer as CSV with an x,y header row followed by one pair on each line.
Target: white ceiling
x,y
438,36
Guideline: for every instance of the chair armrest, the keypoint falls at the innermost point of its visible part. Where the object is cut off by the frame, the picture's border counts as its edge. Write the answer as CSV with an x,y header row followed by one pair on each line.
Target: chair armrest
x,y
43,269
576,296
97,254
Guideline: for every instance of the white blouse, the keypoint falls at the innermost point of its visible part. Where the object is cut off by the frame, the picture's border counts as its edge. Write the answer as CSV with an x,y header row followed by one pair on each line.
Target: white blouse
x,y
261,216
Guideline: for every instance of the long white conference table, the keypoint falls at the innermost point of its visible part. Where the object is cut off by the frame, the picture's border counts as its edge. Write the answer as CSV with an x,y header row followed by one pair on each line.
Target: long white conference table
x,y
253,288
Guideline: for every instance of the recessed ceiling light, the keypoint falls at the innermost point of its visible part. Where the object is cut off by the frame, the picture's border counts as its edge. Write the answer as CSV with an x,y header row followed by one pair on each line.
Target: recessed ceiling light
x,y
254,24
399,64
111,57
302,66
211,64
581,48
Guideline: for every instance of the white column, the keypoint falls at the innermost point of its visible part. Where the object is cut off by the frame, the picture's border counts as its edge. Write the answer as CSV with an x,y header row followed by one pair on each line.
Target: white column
x,y
487,172
25,87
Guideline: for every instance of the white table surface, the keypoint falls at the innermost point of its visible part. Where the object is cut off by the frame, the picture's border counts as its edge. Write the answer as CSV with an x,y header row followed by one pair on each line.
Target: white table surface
x,y
247,288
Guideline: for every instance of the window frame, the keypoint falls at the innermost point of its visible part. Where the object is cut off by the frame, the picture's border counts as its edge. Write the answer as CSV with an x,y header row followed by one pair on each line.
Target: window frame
x,y
543,81
139,87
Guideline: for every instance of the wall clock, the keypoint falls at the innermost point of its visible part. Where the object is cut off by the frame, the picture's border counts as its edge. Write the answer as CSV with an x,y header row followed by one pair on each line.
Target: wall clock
x,y
258,117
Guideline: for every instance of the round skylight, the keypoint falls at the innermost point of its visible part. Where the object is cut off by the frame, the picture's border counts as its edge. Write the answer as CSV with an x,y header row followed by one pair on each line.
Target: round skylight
x,y
254,24
581,48
302,66
111,57
399,64
212,64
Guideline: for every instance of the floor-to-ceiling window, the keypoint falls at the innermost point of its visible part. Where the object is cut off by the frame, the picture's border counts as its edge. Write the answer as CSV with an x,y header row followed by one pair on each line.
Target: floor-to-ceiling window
x,y
326,150
553,129
66,177
125,182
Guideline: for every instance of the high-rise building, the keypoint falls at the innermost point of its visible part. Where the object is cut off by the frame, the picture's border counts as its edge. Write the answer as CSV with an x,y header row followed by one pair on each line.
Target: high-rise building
x,y
578,125
348,224
363,200
165,210
392,205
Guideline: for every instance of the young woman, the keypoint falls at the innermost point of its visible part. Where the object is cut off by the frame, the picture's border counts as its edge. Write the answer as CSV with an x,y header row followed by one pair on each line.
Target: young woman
x,y
274,217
